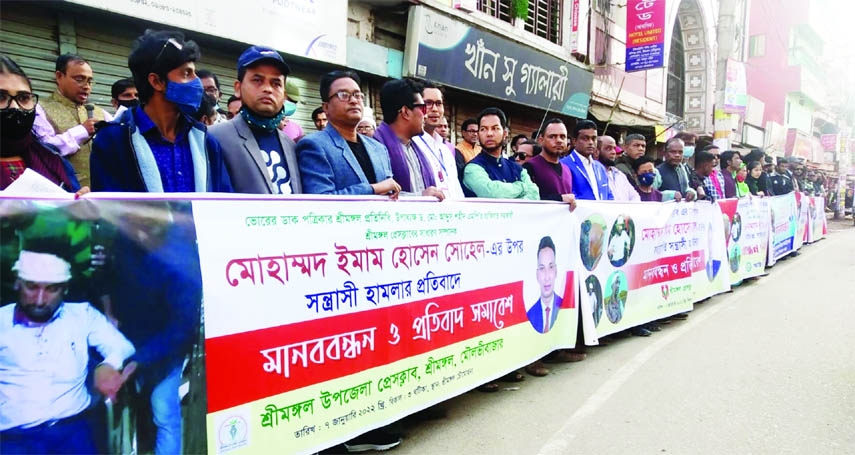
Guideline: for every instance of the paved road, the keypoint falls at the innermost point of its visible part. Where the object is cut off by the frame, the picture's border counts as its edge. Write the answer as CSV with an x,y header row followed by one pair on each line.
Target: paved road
x,y
766,369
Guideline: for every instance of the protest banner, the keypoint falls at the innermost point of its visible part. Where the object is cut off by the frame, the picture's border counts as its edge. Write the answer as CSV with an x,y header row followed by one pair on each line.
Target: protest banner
x,y
339,317
746,236
784,217
818,227
645,261
325,318
803,220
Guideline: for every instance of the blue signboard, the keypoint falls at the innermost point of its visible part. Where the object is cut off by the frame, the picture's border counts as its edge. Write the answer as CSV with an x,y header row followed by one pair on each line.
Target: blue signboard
x,y
458,55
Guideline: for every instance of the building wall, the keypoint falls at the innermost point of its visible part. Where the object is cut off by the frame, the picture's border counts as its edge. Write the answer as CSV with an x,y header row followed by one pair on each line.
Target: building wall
x,y
770,77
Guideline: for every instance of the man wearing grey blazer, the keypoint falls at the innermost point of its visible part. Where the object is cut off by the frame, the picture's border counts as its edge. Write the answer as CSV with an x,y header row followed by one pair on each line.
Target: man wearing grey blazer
x,y
261,157
337,160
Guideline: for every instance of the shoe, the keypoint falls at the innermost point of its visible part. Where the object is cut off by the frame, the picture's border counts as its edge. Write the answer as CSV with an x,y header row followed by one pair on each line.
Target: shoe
x,y
513,376
489,387
640,332
653,327
680,316
564,356
537,369
373,440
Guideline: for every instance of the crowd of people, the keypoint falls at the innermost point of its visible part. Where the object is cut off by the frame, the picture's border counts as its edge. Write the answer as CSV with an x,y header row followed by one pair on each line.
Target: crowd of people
x,y
169,134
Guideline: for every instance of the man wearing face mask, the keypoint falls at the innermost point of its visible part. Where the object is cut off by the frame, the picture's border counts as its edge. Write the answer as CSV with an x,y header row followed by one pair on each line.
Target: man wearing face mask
x,y
260,158
123,95
158,147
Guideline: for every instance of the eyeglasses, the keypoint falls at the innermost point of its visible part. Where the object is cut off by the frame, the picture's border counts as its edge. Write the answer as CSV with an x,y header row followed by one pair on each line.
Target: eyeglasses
x,y
212,90
83,80
346,96
431,103
521,156
26,100
419,106
471,131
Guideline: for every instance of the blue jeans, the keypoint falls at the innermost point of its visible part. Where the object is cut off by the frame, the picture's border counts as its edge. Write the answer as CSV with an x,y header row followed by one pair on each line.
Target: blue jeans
x,y
166,411
73,435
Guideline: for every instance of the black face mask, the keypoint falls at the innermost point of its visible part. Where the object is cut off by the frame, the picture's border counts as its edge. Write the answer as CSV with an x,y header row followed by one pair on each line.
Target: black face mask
x,y
16,123
130,104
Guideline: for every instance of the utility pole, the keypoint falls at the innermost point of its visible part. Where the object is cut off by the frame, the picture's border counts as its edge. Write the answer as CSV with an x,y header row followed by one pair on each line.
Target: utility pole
x,y
729,35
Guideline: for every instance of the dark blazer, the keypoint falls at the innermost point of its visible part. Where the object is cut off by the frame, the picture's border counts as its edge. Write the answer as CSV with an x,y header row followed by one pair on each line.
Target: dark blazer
x,y
245,161
327,165
582,187
535,314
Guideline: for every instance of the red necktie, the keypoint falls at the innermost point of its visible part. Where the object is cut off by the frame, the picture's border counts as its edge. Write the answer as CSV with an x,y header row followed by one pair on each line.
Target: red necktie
x,y
546,322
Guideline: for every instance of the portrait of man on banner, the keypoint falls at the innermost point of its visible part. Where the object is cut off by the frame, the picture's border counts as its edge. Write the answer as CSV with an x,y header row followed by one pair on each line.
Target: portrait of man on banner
x,y
544,312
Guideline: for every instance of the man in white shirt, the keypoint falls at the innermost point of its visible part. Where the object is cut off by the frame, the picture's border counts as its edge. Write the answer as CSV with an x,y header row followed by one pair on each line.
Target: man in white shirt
x,y
44,357
440,156
621,189
619,244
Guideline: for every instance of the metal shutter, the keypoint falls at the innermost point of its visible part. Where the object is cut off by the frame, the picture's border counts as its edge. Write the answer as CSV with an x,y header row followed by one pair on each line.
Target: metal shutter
x,y
30,39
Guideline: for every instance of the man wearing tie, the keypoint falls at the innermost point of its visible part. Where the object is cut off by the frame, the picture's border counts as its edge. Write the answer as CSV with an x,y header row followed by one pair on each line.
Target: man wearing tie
x,y
544,312
590,180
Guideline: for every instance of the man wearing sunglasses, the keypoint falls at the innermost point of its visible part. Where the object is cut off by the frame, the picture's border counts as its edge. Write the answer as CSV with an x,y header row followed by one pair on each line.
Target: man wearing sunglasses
x,y
158,147
338,160
70,113
403,120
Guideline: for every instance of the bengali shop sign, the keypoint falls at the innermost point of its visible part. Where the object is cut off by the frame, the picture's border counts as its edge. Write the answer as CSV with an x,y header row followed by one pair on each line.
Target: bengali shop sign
x,y
746,229
645,261
449,51
315,30
336,318
645,34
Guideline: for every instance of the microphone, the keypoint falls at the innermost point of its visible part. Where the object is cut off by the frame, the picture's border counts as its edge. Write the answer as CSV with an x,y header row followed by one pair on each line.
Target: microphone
x,y
90,111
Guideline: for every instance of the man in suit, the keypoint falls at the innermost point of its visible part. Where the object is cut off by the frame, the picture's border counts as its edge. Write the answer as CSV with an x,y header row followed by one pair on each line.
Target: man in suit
x,y
590,180
258,155
337,160
544,312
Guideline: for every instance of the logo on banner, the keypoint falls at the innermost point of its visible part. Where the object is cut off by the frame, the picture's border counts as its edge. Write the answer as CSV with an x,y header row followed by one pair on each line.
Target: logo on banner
x,y
233,434
666,291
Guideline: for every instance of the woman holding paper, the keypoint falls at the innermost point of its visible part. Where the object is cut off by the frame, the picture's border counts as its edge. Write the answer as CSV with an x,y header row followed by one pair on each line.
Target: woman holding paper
x,y
19,149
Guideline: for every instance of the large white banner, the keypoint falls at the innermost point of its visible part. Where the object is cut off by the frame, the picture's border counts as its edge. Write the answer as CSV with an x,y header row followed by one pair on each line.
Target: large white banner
x,y
307,28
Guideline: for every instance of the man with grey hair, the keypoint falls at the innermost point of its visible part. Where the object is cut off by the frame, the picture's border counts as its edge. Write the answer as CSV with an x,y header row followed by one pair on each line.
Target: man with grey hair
x,y
44,359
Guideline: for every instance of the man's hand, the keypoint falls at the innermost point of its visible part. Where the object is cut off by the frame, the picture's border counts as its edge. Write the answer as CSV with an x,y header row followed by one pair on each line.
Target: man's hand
x,y
388,187
569,199
433,191
89,124
677,196
108,381
692,195
83,190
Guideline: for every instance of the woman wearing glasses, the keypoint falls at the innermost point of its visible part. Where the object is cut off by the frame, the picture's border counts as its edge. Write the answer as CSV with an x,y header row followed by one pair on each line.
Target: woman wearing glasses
x,y
19,149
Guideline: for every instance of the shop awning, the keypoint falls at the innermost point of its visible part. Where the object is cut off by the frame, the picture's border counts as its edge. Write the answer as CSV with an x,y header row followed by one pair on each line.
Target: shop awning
x,y
617,116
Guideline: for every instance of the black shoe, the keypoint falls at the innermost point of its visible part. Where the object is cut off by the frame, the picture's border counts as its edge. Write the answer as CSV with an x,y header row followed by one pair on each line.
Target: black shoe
x,y
652,327
373,440
640,332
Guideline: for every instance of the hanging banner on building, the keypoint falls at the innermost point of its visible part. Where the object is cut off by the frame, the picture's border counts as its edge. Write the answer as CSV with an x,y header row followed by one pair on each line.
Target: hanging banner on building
x,y
646,261
746,223
314,30
735,88
449,51
342,317
645,34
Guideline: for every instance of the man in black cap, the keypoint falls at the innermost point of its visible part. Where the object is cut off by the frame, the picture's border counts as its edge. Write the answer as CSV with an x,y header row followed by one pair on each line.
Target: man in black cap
x,y
258,155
